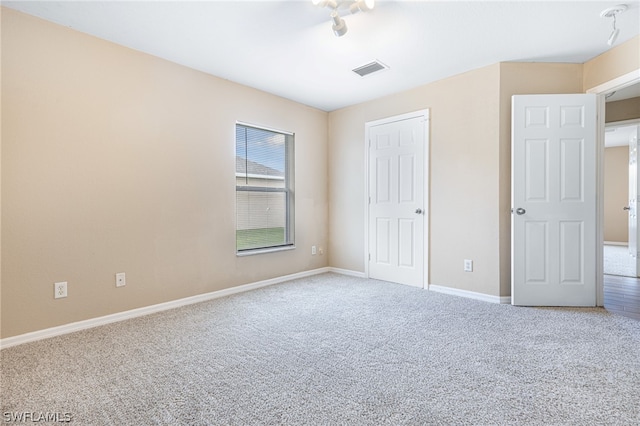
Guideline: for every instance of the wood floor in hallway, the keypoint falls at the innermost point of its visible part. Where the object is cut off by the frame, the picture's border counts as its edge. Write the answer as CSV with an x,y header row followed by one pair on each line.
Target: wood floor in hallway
x,y
622,295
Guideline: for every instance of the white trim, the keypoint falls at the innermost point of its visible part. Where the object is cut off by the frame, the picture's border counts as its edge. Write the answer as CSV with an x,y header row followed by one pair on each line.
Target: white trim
x,y
347,272
600,126
269,129
615,243
623,123
601,90
425,113
470,294
616,124
617,83
134,313
251,252
407,116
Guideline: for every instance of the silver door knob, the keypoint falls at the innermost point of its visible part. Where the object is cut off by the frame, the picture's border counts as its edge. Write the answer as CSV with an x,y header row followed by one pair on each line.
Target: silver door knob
x,y
520,211
626,208
418,211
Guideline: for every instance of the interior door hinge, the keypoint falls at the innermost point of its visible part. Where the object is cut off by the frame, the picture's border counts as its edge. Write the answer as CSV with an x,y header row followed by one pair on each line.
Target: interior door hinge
x,y
369,256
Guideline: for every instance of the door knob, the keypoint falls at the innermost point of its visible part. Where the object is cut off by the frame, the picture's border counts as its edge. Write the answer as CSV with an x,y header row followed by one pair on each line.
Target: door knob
x,y
418,211
520,211
626,208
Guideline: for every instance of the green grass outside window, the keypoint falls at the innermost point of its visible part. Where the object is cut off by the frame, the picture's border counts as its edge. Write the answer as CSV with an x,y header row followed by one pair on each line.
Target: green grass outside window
x,y
247,239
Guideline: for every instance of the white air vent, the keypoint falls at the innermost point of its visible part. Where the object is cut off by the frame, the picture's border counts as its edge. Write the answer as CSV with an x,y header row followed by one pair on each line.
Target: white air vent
x,y
370,68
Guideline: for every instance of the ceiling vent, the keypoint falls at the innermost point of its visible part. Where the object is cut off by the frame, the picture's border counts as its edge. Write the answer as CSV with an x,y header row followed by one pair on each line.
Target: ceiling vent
x,y
370,68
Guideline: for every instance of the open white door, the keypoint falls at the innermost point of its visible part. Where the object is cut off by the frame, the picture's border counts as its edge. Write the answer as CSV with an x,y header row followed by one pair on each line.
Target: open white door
x,y
554,226
397,210
632,207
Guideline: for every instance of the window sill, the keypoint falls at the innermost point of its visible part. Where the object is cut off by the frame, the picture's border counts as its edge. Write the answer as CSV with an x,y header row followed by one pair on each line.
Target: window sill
x,y
265,250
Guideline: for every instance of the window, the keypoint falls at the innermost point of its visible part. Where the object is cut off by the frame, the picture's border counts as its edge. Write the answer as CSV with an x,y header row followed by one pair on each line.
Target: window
x,y
264,189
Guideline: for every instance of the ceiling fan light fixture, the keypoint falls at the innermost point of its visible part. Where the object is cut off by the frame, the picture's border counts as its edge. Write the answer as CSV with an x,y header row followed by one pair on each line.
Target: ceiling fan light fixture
x,y
611,12
339,27
325,3
613,36
362,6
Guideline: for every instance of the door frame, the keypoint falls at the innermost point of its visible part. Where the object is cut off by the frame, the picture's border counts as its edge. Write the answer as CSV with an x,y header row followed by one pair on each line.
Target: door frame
x,y
601,90
424,113
624,123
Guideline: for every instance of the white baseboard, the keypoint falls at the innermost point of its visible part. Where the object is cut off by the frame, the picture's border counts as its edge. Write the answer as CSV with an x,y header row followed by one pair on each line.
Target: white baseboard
x,y
134,313
615,243
470,294
347,272
439,289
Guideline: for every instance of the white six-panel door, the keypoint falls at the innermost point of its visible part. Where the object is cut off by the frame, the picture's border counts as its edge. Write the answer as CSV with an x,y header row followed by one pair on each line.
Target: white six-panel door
x,y
554,200
396,214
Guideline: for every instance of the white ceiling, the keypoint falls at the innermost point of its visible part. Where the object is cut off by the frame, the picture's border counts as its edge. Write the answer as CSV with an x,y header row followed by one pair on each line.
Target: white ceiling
x,y
287,47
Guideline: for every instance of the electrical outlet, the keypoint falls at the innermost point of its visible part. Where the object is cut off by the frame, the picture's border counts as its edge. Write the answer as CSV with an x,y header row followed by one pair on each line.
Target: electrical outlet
x,y
468,265
320,250
121,279
60,290
313,250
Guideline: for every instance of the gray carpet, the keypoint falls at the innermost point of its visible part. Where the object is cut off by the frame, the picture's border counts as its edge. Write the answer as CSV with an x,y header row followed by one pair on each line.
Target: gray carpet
x,y
332,349
618,262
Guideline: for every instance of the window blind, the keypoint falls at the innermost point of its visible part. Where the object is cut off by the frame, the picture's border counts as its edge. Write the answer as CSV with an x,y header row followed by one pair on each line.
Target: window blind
x,y
264,188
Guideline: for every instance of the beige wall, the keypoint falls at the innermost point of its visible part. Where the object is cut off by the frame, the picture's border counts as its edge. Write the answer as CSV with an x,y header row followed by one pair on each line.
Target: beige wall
x,y
463,177
612,64
117,161
616,193
627,109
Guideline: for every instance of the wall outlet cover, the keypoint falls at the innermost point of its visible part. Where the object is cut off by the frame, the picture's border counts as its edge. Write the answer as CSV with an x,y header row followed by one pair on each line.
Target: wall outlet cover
x,y
60,290
121,280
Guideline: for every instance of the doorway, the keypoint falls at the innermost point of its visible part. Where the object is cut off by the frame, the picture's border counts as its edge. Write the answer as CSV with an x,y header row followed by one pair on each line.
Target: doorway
x,y
620,295
396,203
620,199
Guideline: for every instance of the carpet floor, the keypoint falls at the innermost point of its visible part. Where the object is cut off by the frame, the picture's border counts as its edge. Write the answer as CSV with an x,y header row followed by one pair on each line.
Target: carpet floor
x,y
618,262
332,349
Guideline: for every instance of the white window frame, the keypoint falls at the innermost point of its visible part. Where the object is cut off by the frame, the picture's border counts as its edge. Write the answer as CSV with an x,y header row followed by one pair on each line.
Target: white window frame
x,y
288,190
